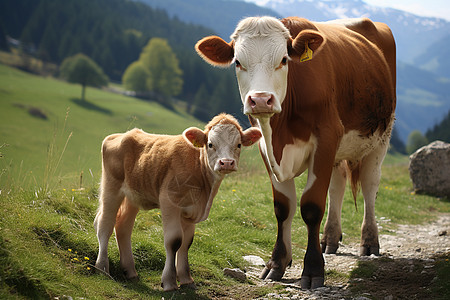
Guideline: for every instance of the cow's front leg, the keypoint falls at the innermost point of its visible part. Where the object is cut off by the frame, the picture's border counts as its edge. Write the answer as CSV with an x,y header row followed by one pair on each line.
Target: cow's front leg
x,y
173,239
285,204
124,227
183,270
312,207
332,232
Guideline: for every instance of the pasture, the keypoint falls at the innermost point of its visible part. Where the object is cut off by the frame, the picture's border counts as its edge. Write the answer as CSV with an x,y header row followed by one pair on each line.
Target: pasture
x,y
47,241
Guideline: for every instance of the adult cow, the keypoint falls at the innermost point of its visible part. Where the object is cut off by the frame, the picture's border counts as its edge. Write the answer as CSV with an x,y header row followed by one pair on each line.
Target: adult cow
x,y
323,95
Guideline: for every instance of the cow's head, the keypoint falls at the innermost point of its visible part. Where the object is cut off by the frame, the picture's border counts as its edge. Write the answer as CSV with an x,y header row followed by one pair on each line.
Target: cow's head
x,y
222,140
260,48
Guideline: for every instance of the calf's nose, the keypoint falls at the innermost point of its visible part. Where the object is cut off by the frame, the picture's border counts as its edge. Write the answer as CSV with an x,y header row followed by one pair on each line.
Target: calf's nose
x,y
227,164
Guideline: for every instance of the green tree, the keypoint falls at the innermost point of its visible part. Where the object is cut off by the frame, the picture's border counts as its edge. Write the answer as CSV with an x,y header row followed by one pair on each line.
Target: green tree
x,y
83,70
415,140
165,75
135,77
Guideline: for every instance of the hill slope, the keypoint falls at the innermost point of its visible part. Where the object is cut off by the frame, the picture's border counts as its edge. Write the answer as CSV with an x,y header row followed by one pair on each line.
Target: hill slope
x,y
30,138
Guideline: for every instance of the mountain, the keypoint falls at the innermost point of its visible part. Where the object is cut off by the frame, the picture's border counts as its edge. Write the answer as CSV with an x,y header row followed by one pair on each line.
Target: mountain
x,y
413,33
220,15
435,58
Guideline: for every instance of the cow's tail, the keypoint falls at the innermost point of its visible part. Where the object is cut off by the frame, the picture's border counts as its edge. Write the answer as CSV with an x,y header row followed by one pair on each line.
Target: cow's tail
x,y
354,169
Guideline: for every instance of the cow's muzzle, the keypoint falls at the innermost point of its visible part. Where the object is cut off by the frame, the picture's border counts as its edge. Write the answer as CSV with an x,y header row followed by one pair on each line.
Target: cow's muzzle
x,y
261,104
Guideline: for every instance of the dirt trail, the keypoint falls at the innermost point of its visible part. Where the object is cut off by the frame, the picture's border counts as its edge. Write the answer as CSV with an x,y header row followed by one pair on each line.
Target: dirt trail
x,y
405,269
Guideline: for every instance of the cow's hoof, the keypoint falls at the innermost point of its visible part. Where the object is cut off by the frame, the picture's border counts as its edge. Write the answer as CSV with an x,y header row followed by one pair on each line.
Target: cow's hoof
x,y
271,274
190,286
329,249
369,250
134,278
307,282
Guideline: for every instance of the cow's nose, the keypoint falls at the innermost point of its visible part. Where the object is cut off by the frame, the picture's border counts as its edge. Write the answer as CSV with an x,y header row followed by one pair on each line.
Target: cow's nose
x,y
261,102
227,164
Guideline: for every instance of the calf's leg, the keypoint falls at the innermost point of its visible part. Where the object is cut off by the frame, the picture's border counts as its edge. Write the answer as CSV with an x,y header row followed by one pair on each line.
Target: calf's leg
x,y
173,239
110,200
332,230
285,204
183,270
124,227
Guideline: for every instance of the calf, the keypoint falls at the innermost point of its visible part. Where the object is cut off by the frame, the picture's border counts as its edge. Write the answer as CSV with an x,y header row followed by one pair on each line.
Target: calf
x,y
178,174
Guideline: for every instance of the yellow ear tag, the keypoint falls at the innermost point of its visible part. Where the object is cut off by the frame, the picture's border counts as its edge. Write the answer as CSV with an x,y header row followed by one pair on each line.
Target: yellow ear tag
x,y
196,144
307,55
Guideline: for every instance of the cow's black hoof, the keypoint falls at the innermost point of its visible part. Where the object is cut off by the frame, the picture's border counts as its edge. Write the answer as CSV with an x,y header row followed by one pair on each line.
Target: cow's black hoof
x,y
307,282
271,274
190,286
369,250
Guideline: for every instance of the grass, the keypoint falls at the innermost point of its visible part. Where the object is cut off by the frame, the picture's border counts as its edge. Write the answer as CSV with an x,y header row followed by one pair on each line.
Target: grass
x,y
47,241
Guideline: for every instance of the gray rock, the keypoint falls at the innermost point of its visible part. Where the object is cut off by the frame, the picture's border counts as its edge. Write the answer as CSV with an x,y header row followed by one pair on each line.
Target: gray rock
x,y
429,169
254,260
235,273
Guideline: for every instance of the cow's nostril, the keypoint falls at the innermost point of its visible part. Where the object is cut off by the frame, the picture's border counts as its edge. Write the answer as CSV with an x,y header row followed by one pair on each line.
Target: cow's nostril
x,y
270,101
252,103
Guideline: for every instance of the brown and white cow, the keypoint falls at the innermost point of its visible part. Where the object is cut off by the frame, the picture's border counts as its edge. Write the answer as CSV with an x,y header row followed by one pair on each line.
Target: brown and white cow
x,y
324,97
178,174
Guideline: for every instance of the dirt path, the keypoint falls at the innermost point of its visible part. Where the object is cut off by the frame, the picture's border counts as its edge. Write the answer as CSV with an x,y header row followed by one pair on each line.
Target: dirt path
x,y
405,269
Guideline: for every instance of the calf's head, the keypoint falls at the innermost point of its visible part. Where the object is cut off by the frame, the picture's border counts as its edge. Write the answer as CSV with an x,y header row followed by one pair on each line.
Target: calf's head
x,y
222,140
260,48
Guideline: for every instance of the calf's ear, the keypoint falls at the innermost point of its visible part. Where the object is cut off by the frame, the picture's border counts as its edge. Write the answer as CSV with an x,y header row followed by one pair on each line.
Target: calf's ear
x,y
305,45
215,51
250,136
195,136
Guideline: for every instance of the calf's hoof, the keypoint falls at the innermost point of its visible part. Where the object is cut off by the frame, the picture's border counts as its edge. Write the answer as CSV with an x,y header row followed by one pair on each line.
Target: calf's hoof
x,y
169,287
271,274
307,282
190,286
369,250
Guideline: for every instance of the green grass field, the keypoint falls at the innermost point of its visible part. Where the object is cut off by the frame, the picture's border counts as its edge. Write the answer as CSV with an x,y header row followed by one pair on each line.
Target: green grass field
x,y
47,241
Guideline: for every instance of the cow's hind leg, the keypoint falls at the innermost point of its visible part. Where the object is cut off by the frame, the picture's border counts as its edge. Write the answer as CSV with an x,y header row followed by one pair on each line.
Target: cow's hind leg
x,y
110,200
183,270
332,231
285,204
370,175
124,227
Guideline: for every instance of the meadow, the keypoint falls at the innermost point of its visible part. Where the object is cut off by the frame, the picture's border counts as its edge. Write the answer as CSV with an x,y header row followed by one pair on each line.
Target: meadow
x,y
49,174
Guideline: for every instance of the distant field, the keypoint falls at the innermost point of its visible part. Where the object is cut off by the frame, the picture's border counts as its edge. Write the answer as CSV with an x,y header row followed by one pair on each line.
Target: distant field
x,y
27,139
47,241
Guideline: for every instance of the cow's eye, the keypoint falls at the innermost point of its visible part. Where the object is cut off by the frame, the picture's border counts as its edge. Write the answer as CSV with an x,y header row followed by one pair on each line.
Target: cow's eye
x,y
210,145
239,145
284,61
238,64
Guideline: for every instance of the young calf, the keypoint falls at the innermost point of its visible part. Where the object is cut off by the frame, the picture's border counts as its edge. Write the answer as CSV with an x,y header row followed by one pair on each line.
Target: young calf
x,y
178,174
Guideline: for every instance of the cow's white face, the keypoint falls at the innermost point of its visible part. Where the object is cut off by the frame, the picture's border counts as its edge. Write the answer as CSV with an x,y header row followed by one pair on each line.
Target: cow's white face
x,y
259,48
261,60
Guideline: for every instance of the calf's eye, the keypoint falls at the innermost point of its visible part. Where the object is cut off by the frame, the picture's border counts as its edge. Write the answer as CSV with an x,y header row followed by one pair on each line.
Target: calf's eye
x,y
239,145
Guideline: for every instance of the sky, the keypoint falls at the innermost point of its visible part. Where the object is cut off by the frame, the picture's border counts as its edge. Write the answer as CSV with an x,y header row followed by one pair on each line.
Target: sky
x,y
428,8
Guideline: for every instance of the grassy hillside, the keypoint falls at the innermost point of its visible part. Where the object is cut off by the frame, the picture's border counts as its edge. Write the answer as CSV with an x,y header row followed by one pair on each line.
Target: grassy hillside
x,y
31,145
47,241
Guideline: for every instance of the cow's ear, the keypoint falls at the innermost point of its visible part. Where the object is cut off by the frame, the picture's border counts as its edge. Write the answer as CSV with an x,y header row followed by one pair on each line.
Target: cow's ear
x,y
195,136
305,45
215,51
250,136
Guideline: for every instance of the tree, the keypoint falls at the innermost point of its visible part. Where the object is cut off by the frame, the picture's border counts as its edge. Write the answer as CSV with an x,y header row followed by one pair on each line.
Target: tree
x,y
135,77
83,70
415,140
165,75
